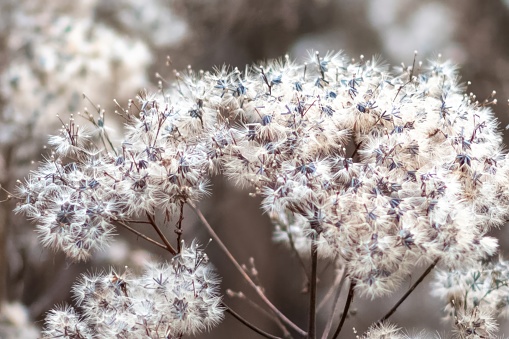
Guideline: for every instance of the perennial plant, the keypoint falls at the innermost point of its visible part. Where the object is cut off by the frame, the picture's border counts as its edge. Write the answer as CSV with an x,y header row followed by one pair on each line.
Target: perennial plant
x,y
379,171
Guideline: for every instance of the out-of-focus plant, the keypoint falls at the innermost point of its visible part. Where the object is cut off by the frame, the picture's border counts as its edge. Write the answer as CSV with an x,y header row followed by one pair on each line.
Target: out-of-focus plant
x,y
379,172
475,294
51,54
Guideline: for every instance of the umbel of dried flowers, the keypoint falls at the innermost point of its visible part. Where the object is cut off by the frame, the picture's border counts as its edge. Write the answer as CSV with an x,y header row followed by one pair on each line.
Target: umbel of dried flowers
x,y
386,169
168,300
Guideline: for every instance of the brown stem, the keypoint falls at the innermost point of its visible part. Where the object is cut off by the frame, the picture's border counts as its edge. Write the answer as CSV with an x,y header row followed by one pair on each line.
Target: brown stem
x,y
161,235
412,288
356,149
268,314
179,226
141,235
138,221
345,310
333,288
301,262
258,290
4,224
312,287
248,324
338,286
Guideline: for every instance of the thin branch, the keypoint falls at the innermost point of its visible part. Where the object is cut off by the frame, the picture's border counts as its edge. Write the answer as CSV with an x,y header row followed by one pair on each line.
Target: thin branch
x,y
345,310
127,227
410,78
104,133
338,286
269,314
324,269
258,290
412,288
301,262
357,146
179,226
312,287
338,281
248,324
138,222
356,149
161,235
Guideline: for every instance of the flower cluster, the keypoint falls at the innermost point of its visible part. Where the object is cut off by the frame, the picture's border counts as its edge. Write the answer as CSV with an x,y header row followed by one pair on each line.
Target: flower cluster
x,y
387,330
475,294
167,301
474,323
421,185
468,326
383,170
389,169
79,191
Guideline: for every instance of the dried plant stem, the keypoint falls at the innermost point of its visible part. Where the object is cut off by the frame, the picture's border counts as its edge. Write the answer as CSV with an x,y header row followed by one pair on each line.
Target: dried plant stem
x,y
161,235
338,280
356,149
248,324
410,290
179,226
337,286
301,262
268,314
138,222
239,268
3,252
345,310
104,133
312,287
141,235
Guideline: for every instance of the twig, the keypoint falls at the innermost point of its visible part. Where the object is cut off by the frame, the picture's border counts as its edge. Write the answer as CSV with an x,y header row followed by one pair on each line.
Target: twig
x,y
104,133
244,274
248,324
301,262
138,222
324,269
333,288
345,310
356,149
127,227
179,226
312,287
161,235
412,288
338,286
410,77
268,314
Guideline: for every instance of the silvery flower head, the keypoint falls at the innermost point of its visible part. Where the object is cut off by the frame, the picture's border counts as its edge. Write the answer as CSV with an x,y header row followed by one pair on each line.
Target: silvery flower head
x,y
168,300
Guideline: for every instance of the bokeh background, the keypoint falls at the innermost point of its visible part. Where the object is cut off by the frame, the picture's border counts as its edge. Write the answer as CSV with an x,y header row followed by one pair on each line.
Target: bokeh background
x,y
53,51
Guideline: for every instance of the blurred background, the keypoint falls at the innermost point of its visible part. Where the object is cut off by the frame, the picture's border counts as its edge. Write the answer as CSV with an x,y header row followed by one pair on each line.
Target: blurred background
x,y
53,51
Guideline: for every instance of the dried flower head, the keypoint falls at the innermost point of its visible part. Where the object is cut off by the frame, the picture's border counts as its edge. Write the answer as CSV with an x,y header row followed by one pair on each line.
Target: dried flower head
x,y
474,323
385,170
474,295
167,301
426,177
